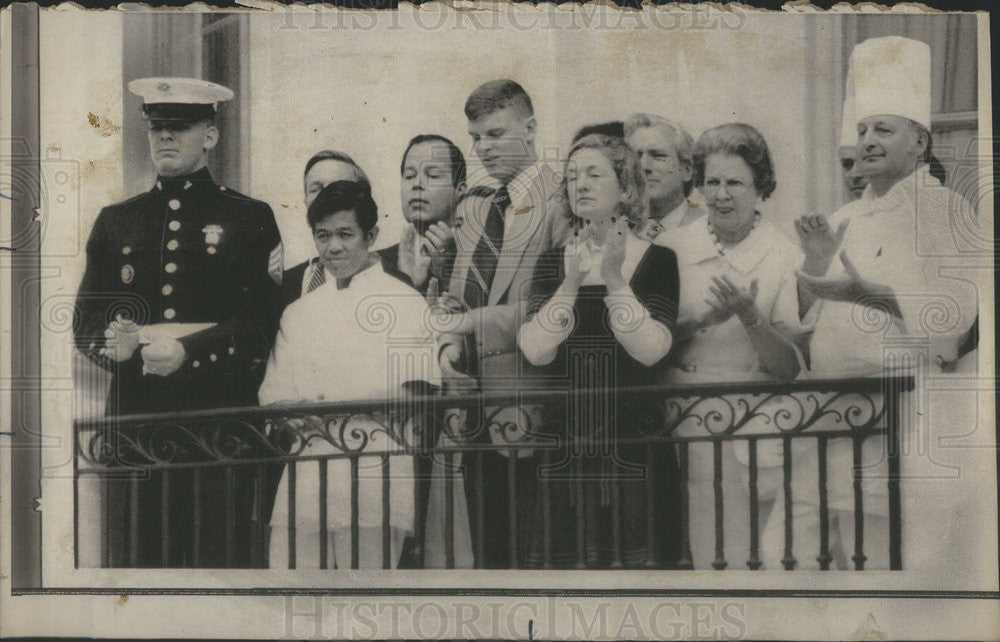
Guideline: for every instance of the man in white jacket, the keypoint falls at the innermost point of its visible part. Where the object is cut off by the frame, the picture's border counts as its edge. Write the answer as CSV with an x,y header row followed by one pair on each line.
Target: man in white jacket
x,y
361,335
873,288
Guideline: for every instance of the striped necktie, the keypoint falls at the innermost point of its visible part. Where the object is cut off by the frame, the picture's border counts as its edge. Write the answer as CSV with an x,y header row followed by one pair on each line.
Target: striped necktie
x,y
318,277
487,252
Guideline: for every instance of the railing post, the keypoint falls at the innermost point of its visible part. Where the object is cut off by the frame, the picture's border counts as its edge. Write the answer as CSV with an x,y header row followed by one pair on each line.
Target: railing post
x,y
720,557
355,515
893,428
324,562
685,562
512,525
260,542
133,548
616,524
386,523
754,562
546,510
480,517
196,507
449,511
859,508
824,558
788,561
165,519
650,509
581,515
230,515
291,515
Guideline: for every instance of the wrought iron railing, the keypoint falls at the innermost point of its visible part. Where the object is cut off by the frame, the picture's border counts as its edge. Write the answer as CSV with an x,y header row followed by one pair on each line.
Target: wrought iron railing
x,y
241,452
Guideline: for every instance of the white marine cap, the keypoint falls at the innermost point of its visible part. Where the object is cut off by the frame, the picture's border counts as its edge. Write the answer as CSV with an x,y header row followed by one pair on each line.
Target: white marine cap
x,y
891,76
179,98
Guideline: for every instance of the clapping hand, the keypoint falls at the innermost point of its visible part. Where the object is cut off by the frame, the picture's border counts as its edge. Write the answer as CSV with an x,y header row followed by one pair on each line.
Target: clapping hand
x,y
577,264
851,288
413,263
613,256
437,240
730,299
819,242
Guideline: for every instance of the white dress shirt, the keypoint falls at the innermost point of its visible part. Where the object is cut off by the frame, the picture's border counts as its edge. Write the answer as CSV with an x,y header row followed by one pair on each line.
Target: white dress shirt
x,y
659,231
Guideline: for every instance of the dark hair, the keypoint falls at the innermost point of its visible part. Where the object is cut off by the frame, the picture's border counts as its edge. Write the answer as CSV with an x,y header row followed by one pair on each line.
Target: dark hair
x,y
738,139
625,163
331,154
494,96
457,164
344,196
614,128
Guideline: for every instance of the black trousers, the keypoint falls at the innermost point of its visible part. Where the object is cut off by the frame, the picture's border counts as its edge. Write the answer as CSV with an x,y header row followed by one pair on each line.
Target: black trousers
x,y
155,521
492,470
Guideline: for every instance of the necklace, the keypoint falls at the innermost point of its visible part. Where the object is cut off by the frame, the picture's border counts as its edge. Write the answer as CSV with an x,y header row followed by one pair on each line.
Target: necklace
x,y
715,237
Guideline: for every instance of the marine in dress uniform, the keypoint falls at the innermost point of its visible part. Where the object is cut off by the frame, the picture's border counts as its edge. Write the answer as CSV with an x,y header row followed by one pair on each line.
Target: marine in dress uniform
x,y
180,301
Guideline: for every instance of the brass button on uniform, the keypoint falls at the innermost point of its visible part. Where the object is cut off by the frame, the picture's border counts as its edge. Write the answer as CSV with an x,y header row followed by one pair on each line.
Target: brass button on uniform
x,y
126,250
174,226
169,313
167,289
170,268
174,204
195,364
172,244
212,357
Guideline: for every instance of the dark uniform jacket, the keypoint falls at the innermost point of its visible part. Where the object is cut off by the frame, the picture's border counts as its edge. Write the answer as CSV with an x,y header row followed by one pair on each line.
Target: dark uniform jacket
x,y
187,251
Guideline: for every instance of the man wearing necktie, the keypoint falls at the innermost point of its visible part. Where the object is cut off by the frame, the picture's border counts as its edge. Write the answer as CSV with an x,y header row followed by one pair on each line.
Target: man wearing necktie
x,y
499,235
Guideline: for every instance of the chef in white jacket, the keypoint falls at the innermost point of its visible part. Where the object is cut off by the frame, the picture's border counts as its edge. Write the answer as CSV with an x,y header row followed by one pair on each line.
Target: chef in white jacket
x,y
362,334
875,291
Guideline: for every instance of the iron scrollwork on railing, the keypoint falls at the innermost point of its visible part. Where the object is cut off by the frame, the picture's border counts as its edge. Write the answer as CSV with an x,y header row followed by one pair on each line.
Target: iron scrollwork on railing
x,y
264,433
776,412
850,406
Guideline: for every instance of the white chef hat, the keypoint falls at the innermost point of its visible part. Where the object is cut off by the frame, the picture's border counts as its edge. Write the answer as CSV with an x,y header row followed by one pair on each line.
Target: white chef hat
x,y
848,123
891,76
